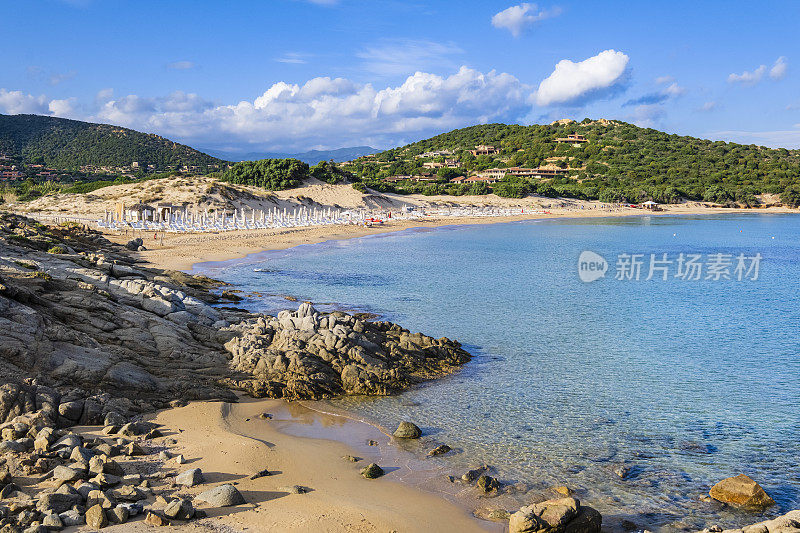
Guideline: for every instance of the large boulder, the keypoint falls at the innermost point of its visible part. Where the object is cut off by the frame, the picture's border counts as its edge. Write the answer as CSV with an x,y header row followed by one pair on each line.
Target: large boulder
x,y
222,496
562,515
741,491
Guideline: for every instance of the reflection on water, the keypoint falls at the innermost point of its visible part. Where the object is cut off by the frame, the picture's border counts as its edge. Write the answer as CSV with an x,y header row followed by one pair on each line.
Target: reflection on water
x,y
673,384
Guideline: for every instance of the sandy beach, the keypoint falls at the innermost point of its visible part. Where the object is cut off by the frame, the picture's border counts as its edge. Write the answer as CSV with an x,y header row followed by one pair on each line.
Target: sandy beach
x,y
229,443
182,251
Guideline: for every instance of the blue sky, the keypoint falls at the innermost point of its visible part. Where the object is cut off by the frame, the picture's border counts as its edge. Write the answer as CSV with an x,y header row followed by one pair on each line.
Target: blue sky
x,y
301,74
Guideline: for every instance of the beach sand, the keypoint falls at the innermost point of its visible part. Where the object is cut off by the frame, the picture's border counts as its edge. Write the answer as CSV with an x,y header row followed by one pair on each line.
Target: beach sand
x,y
229,442
182,251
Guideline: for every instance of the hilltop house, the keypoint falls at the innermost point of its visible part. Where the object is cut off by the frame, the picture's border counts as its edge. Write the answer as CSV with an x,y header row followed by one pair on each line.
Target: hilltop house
x,y
573,139
483,149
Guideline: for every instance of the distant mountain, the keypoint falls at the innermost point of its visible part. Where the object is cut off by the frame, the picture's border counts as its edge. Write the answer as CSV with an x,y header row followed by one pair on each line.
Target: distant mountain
x,y
69,144
311,157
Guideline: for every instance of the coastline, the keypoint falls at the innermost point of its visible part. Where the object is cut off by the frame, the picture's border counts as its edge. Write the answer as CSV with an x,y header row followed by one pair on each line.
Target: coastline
x,y
325,439
229,442
184,251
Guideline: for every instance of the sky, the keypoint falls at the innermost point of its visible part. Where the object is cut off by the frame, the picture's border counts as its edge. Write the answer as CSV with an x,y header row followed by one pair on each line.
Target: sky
x,y
294,75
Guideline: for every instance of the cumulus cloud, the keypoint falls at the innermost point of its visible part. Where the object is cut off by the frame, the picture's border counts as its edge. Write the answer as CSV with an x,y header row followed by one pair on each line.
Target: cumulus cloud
x,y
327,112
708,106
518,19
573,83
776,72
647,115
402,57
16,102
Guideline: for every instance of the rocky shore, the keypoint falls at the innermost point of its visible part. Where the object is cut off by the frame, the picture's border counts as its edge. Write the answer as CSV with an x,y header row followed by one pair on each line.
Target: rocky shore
x,y
91,337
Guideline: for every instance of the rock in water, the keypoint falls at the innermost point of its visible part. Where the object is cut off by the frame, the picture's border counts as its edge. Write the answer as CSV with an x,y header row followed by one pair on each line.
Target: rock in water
x,y
372,471
488,483
407,430
563,515
96,517
222,496
439,450
741,491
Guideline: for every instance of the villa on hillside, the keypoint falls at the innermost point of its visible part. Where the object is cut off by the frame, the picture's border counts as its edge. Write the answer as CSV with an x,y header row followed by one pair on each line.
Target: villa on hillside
x,y
482,179
433,164
483,149
573,139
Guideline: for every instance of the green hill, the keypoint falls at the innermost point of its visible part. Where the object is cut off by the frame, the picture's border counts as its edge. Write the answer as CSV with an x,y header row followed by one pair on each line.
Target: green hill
x,y
69,144
620,162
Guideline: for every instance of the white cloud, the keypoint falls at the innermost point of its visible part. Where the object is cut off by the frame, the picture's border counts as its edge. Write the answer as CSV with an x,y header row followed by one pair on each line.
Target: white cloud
x,y
403,57
16,102
329,112
674,90
292,58
181,65
661,80
65,108
517,19
776,72
708,106
571,82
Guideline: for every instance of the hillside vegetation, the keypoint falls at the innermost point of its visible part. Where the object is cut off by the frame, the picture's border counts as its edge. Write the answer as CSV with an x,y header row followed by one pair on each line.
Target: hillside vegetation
x,y
278,174
619,163
70,144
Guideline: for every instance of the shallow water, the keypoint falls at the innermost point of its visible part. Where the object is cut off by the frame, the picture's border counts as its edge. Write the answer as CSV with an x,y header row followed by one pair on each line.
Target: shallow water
x,y
684,382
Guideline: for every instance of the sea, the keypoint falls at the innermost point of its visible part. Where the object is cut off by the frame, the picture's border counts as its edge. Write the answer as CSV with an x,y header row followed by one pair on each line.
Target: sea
x,y
637,360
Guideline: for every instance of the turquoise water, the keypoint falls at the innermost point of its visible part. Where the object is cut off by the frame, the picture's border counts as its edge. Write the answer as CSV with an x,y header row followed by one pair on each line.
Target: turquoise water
x,y
683,382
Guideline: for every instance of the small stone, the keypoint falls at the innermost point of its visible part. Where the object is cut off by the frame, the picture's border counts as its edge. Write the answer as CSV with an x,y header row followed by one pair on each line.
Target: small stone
x,y
351,458
72,518
179,509
372,471
164,456
154,519
294,489
475,473
261,473
179,459
52,521
96,517
265,416
407,430
190,478
439,450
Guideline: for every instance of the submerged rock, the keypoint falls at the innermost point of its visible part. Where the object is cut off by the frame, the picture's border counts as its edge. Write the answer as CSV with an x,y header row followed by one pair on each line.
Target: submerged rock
x,y
741,491
407,430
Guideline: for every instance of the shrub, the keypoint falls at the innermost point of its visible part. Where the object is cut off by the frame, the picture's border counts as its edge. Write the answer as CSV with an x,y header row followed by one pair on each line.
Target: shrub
x,y
57,249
